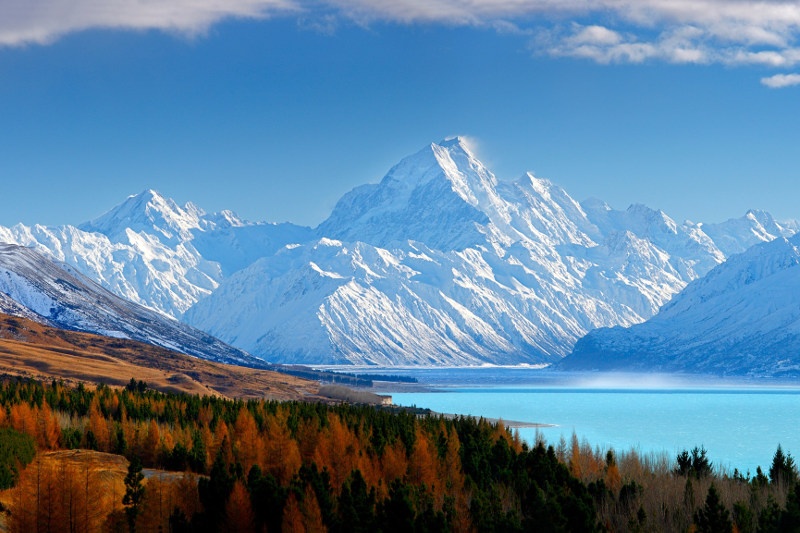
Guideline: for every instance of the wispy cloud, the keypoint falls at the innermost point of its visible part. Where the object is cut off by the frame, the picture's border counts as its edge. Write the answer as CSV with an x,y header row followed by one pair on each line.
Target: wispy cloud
x,y
734,32
604,45
43,21
633,31
779,81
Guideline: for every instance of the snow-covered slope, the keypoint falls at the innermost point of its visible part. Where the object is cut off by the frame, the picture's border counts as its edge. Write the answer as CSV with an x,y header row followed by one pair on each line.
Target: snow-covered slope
x,y
153,252
438,263
334,302
442,263
738,234
36,287
742,318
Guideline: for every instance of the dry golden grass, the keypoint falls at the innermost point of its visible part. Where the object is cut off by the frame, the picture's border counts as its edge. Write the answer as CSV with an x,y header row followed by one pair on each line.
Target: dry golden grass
x,y
30,349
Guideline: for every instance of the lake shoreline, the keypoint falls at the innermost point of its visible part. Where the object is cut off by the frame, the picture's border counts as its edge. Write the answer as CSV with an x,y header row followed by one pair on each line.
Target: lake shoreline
x,y
513,424
678,415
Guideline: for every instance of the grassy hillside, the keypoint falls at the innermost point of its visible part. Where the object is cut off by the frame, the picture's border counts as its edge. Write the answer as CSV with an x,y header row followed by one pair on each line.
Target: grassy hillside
x,y
29,349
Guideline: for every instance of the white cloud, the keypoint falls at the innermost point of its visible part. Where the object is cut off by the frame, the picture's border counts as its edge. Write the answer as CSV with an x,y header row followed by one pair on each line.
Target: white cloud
x,y
677,31
472,143
607,46
747,32
453,11
43,21
779,81
596,35
687,55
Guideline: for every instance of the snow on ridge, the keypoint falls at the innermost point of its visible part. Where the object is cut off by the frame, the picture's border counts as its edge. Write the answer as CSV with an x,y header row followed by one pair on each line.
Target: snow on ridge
x,y
438,263
740,319
738,234
155,253
147,212
58,295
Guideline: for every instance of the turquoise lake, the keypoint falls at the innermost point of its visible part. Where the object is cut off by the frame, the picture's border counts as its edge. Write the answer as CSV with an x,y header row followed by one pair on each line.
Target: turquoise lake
x,y
739,423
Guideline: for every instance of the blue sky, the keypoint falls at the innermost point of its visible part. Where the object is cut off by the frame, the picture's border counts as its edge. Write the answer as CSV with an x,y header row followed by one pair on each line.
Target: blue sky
x,y
275,108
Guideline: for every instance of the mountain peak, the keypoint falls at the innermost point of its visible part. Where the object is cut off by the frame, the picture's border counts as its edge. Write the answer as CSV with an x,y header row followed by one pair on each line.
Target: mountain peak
x,y
148,195
224,219
148,212
148,199
596,205
449,159
736,235
437,195
457,142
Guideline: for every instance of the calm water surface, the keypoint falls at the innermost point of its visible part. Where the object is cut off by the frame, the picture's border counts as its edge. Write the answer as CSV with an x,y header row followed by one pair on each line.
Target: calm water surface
x,y
739,423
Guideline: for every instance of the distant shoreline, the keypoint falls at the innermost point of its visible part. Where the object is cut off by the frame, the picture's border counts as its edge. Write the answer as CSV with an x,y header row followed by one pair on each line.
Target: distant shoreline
x,y
515,424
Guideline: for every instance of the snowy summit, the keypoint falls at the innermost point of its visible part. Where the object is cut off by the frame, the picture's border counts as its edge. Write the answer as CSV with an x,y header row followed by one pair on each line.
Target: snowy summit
x,y
439,263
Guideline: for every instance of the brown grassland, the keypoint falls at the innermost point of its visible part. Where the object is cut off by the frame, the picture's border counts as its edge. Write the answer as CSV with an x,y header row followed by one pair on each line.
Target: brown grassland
x,y
29,349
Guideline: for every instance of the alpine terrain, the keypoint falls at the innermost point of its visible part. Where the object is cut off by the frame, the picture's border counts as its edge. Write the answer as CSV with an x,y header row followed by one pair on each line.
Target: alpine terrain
x,y
35,287
440,263
443,264
742,318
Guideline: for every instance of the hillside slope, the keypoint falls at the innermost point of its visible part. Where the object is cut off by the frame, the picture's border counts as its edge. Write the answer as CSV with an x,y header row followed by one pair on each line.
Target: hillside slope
x,y
30,349
36,287
742,318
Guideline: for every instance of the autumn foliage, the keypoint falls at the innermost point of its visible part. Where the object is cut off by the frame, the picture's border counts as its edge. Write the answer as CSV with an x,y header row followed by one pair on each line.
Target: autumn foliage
x,y
246,465
213,464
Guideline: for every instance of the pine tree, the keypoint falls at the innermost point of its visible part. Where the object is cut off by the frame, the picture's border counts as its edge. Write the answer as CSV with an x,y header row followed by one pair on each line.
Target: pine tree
x,y
134,492
790,518
713,517
695,464
783,469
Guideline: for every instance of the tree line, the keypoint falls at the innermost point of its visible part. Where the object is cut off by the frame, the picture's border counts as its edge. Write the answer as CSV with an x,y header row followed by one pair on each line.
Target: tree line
x,y
195,463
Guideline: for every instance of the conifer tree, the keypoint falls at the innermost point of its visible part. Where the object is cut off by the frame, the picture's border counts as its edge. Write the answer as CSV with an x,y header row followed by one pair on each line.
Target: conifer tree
x,y
790,518
695,464
134,492
713,517
783,470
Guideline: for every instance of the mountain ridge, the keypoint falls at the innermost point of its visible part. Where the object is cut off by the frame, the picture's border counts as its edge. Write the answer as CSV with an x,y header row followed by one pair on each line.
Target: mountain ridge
x,y
38,288
439,262
740,319
466,269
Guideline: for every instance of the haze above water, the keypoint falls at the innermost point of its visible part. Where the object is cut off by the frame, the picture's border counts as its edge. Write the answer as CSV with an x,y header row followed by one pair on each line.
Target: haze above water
x,y
740,422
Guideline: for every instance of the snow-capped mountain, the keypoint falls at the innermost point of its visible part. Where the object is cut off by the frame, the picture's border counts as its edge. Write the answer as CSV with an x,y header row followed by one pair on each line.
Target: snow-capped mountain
x,y
738,234
741,318
442,263
151,251
36,287
438,263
